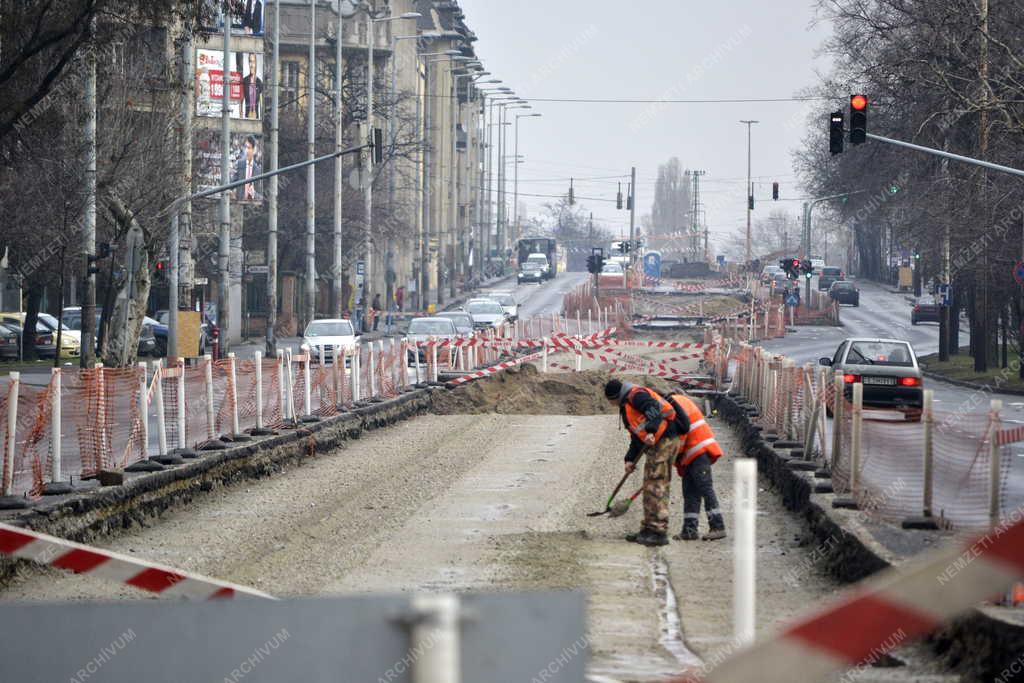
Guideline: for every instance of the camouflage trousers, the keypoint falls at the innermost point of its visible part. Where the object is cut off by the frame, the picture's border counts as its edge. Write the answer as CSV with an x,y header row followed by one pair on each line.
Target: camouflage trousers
x,y
657,477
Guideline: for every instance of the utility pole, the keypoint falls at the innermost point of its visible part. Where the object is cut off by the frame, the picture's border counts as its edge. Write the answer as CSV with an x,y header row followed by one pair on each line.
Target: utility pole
x,y
310,313
339,130
224,243
88,357
275,97
695,231
750,190
632,215
984,326
453,180
368,178
428,216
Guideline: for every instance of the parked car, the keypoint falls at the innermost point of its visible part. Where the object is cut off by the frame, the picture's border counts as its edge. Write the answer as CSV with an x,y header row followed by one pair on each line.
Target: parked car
x,y
422,329
70,340
333,336
507,301
10,342
888,370
530,272
829,274
463,321
486,313
925,313
844,292
768,274
159,332
46,345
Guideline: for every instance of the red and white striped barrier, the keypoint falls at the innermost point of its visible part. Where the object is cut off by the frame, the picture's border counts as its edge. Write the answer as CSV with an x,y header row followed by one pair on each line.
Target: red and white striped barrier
x,y
892,609
129,571
1008,436
486,372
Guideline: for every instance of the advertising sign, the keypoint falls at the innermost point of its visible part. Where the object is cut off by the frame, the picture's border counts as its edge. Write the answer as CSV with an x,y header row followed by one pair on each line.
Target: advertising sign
x,y
246,17
246,160
245,90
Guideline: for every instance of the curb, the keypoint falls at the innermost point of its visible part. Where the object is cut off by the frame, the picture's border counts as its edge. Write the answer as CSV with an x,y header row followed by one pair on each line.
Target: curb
x,y
971,385
982,645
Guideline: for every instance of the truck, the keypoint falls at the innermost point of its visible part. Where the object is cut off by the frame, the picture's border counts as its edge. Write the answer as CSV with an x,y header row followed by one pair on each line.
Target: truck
x,y
539,245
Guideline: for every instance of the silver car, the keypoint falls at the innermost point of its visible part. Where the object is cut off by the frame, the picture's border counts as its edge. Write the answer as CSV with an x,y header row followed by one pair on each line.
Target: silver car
x,y
887,369
423,329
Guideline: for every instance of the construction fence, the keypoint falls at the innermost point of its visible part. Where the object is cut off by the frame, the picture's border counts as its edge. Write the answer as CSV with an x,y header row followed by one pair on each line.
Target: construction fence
x,y
949,467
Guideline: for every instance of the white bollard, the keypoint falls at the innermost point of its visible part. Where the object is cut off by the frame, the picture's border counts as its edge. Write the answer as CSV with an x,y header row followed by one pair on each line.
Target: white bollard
x,y
855,437
161,424
258,358
579,356
307,393
234,395
211,414
579,325
435,635
544,358
289,384
744,548
433,360
144,409
590,322
372,372
357,388
281,380
416,359
55,420
12,428
182,443
101,407
994,503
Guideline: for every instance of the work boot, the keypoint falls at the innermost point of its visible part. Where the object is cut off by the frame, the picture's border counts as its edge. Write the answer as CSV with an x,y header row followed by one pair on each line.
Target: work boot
x,y
648,538
714,534
687,534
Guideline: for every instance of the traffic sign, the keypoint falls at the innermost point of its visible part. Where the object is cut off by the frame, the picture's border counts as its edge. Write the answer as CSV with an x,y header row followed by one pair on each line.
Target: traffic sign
x,y
257,270
792,300
361,268
946,295
1018,272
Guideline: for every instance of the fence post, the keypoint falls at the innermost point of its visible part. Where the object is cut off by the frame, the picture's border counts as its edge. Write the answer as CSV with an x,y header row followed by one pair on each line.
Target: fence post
x,y
416,360
544,358
994,464
745,562
837,418
236,432
211,415
579,356
143,402
372,372
55,486
161,424
357,388
926,520
590,322
9,500
290,385
258,359
856,426
183,450
307,389
281,389
788,397
433,359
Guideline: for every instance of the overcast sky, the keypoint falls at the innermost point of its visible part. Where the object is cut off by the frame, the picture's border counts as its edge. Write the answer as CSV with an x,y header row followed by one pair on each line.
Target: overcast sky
x,y
658,49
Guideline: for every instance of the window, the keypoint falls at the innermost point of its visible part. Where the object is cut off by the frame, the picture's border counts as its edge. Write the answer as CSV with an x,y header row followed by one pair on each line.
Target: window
x,y
290,85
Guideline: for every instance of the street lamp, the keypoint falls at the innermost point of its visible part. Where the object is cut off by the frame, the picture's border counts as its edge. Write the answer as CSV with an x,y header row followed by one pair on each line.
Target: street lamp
x,y
514,102
515,191
750,190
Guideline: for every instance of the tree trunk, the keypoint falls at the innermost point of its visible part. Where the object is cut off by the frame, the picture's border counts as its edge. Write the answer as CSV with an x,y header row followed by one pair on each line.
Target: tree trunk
x,y
121,342
28,331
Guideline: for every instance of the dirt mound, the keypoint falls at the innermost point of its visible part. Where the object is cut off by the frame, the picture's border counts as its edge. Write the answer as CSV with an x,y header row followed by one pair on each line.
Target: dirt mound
x,y
526,391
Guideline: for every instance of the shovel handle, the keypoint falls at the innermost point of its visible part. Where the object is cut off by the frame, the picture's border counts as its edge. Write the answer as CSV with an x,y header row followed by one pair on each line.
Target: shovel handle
x,y
617,489
637,494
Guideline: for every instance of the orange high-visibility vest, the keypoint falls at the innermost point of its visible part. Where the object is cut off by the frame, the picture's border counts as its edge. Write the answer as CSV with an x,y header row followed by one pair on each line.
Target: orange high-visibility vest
x,y
700,439
635,420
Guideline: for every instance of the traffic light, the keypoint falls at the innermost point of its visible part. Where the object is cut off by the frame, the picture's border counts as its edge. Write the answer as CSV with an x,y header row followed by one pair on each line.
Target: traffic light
x,y
618,198
835,132
572,193
750,202
807,268
858,119
791,266
595,262
378,145
592,264
775,191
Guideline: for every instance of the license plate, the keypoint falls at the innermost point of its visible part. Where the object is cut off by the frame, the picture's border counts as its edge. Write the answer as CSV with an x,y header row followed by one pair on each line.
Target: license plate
x,y
888,381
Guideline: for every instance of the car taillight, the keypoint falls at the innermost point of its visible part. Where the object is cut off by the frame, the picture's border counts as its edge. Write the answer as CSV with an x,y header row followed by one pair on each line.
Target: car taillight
x,y
44,340
917,307
910,382
851,379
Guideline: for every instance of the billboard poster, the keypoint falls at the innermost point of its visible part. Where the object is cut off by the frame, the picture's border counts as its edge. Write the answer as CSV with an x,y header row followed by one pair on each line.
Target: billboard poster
x,y
245,161
246,16
245,92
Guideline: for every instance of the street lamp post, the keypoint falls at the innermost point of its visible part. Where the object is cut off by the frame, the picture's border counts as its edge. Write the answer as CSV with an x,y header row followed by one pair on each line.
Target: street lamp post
x,y
517,103
515,185
750,189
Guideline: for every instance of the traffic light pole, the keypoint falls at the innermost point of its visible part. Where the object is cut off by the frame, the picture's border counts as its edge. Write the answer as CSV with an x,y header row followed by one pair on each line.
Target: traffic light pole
x,y
949,155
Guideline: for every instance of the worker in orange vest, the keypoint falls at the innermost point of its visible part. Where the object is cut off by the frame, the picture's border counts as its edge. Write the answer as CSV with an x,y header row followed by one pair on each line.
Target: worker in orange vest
x,y
697,451
654,428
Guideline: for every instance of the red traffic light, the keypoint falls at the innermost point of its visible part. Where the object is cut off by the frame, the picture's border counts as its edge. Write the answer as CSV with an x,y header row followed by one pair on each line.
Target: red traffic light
x,y
858,102
161,265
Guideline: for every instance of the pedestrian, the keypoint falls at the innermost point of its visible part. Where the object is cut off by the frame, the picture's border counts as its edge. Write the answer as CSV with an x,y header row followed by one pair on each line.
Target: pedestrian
x,y
375,307
697,452
400,299
654,428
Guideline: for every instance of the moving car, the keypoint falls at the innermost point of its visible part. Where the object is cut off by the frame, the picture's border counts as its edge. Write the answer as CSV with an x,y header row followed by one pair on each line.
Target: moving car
x,y
829,274
780,283
486,313
530,272
507,301
423,329
844,292
542,261
925,313
612,269
888,370
10,342
463,321
769,273
332,336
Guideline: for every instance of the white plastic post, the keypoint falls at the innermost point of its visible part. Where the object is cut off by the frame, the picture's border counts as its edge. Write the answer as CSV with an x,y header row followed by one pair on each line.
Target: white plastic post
x,y
837,416
855,437
416,359
211,414
182,443
994,465
744,563
579,356
234,395
307,389
282,380
544,358
101,410
928,423
590,322
290,383
161,424
144,409
435,635
258,359
357,384
579,326
372,367
433,359
12,427
55,420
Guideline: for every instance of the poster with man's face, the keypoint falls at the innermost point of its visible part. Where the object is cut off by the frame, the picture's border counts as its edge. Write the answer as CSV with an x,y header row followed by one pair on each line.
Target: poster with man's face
x,y
245,16
245,161
246,84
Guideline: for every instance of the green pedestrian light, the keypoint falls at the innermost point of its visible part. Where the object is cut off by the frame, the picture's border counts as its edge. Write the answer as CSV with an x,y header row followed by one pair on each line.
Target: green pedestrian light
x,y
893,189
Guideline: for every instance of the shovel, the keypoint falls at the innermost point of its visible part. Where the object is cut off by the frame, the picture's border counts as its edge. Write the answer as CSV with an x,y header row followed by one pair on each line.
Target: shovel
x,y
608,505
621,507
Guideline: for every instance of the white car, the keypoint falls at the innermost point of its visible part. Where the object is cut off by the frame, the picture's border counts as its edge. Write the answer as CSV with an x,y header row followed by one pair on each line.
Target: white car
x,y
611,269
331,335
486,313
507,301
540,260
